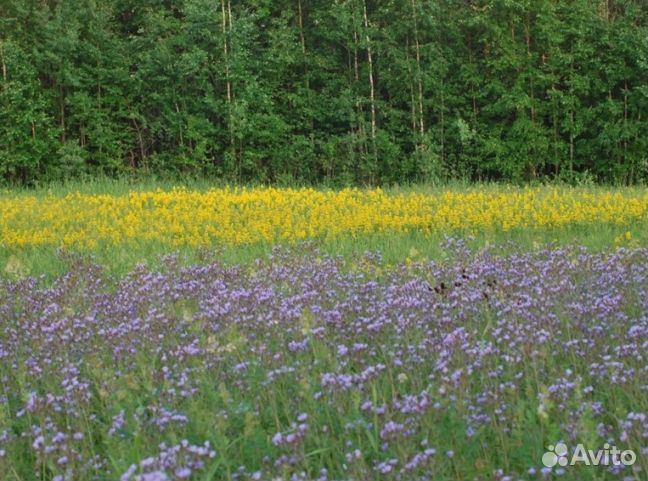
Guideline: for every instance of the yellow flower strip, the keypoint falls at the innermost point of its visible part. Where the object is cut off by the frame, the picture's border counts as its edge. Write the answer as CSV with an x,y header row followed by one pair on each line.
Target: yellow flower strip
x,y
234,216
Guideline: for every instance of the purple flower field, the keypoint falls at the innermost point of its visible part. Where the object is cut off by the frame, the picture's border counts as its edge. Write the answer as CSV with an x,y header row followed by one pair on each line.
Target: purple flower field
x,y
302,366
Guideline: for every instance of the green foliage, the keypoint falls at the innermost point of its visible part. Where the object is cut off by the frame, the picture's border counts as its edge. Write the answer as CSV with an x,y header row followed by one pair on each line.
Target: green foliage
x,y
26,134
307,91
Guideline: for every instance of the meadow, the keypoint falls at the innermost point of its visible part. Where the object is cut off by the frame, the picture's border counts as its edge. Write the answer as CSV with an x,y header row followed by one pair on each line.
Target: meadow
x,y
123,224
152,333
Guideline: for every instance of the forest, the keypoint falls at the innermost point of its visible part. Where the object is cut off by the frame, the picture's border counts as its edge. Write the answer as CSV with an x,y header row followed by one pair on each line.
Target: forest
x,y
327,92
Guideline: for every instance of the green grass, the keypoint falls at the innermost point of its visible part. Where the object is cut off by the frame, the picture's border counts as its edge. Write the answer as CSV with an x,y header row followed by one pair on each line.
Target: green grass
x,y
254,411
106,185
51,261
239,418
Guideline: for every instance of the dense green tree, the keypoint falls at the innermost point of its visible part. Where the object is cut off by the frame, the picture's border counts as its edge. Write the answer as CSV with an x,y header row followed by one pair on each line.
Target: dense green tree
x,y
26,131
309,91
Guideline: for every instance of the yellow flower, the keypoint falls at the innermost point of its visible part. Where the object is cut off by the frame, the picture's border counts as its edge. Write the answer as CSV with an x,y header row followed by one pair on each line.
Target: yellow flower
x,y
239,216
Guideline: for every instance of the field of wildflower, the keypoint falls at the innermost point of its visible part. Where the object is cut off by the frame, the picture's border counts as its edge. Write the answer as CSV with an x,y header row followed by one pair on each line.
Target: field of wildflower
x,y
246,216
311,359
125,227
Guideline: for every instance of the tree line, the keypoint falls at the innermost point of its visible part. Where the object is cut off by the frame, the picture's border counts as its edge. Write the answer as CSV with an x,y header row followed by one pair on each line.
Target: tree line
x,y
324,91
